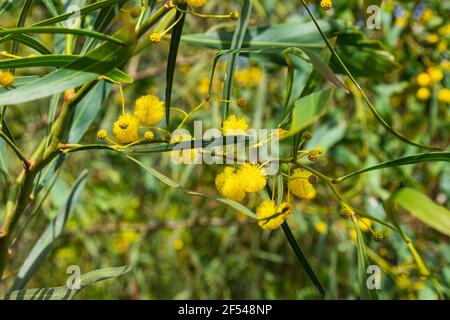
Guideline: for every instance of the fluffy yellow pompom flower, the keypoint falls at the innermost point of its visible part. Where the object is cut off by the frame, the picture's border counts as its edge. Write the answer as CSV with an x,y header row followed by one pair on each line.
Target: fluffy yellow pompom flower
x,y
426,15
326,4
155,37
234,126
196,3
423,79
433,38
442,46
102,134
203,85
269,218
149,109
436,74
6,79
300,186
126,128
321,227
365,224
444,95
251,178
228,185
248,77
423,94
178,244
148,135
445,65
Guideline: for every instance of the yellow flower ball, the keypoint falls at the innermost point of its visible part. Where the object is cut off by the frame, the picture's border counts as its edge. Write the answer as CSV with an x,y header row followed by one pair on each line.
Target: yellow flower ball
x,y
326,4
423,94
149,109
251,178
433,38
155,37
149,135
234,15
6,79
228,185
255,75
365,224
248,77
444,95
203,85
321,227
426,15
196,3
300,186
445,65
234,126
436,74
269,218
102,134
126,128
423,79
442,46
178,244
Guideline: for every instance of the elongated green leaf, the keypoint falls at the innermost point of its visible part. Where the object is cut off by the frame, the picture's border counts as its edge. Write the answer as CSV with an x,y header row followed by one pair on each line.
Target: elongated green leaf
x,y
7,5
51,7
424,209
102,21
97,62
311,84
236,44
60,30
302,258
48,237
309,109
417,158
324,69
63,292
29,42
22,17
82,12
363,263
172,58
367,57
58,61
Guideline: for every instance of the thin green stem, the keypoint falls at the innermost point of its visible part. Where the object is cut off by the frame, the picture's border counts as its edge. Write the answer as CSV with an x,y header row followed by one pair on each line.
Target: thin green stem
x,y
191,113
20,155
147,25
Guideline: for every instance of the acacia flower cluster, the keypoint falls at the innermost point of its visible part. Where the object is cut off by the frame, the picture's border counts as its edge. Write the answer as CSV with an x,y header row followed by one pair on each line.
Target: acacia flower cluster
x,y
149,110
427,80
234,184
